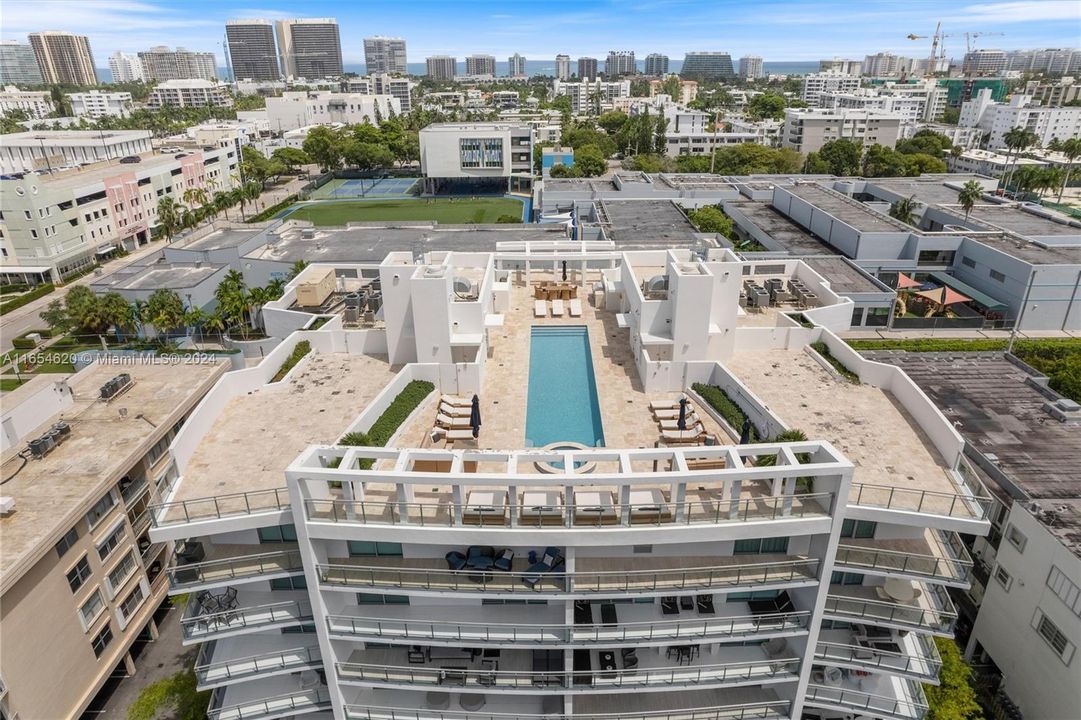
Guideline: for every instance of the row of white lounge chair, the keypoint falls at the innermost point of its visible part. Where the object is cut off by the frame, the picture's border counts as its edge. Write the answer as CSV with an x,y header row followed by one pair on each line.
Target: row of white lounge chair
x,y
666,413
452,419
574,307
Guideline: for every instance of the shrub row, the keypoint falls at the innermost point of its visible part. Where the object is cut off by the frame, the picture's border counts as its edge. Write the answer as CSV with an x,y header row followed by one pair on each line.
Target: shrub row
x,y
39,292
272,210
822,349
718,399
302,348
13,288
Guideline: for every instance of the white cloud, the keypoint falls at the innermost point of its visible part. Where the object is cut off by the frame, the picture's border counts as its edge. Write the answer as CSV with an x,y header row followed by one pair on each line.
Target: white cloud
x,y
1018,12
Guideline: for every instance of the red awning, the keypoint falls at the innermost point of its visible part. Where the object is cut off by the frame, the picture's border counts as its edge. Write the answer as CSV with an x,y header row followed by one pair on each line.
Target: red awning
x,y
944,296
904,282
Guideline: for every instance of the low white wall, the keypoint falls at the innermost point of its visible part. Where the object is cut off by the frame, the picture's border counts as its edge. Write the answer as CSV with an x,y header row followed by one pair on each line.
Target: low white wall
x,y
252,348
26,410
365,342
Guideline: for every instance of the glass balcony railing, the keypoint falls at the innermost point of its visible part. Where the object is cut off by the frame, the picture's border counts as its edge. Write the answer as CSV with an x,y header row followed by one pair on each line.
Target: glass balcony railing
x,y
358,512
292,704
777,710
738,672
924,666
951,563
197,625
698,629
951,505
235,568
937,617
472,581
220,506
208,672
910,707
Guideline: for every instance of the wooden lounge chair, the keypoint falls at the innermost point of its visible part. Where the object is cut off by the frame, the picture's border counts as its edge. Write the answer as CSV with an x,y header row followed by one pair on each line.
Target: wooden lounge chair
x,y
672,414
664,404
447,422
576,307
540,293
455,401
540,309
557,308
694,434
454,410
691,421
462,434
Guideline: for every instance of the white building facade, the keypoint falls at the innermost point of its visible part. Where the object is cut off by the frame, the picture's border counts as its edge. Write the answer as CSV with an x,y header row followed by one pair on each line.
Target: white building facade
x,y
808,129
815,83
189,93
36,104
997,119
587,95
98,104
297,109
126,67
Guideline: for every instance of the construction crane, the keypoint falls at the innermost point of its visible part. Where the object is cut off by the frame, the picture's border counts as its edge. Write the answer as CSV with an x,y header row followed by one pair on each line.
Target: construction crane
x,y
938,48
970,36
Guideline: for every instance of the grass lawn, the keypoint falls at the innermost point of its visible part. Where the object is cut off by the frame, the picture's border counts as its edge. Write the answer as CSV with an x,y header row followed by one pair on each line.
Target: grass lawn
x,y
9,384
444,210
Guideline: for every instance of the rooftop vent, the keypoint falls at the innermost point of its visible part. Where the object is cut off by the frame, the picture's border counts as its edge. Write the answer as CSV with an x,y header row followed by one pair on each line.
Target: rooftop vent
x,y
116,386
41,446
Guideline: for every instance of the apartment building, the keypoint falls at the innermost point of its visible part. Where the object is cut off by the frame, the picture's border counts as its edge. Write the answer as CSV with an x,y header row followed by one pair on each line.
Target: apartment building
x,y
591,95
480,65
18,63
383,84
815,83
688,90
297,109
912,105
997,119
808,129
385,55
126,67
98,104
252,53
563,67
442,67
64,58
160,64
64,220
189,93
496,154
751,67
587,68
987,163
81,577
35,103
707,66
619,63
886,64
1050,61
621,577
656,64
309,48
984,62
516,65
1052,94
840,66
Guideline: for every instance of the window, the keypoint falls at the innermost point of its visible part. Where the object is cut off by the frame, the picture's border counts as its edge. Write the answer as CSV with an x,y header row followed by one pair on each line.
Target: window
x,y
642,549
278,533
66,542
364,548
968,262
996,275
753,595
78,574
91,609
377,599
155,453
132,602
123,570
1066,590
102,640
761,545
495,601
1054,637
289,583
845,578
111,541
1016,538
858,529
101,509
1003,578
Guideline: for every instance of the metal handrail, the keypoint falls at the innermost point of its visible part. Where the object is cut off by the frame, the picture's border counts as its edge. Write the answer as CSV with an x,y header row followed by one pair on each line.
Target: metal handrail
x,y
899,613
133,491
930,502
293,610
537,633
318,697
364,512
269,661
926,565
869,701
926,665
671,675
775,710
220,506
240,566
470,580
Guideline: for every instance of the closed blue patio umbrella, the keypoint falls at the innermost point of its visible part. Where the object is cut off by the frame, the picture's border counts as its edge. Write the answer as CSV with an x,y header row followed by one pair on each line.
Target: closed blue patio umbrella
x,y
745,433
681,424
474,416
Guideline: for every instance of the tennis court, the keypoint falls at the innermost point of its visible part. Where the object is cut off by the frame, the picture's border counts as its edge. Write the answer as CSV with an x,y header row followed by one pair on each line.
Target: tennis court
x,y
366,187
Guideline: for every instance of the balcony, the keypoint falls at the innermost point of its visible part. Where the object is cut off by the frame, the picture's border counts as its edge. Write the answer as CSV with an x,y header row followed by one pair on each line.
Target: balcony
x,y
257,612
932,612
704,510
876,696
131,489
662,578
939,557
220,506
238,568
971,505
913,656
221,662
252,701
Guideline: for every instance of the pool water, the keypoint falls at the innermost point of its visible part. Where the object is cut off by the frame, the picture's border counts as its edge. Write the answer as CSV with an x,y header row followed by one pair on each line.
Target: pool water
x,y
562,400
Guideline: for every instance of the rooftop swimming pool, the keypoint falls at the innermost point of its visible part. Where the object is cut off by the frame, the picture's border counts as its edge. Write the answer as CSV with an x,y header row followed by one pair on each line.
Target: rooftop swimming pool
x,y
562,403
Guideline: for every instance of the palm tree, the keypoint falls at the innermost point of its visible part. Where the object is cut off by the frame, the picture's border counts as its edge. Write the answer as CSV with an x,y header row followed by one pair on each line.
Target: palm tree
x,y
214,323
970,194
905,210
298,267
234,301
1072,150
165,311
1048,179
168,216
257,298
275,288
194,197
117,311
1017,139
194,319
221,203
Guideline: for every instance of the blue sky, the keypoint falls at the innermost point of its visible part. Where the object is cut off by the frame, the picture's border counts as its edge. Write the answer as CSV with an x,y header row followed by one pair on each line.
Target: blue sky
x,y
776,29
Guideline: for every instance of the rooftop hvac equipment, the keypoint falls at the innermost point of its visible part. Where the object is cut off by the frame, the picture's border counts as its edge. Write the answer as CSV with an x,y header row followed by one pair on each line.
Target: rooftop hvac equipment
x,y
114,387
375,301
41,446
318,286
351,315
352,300
656,285
308,233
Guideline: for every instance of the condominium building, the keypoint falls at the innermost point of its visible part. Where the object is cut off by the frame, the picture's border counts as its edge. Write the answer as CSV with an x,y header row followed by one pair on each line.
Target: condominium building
x,y
252,53
587,68
126,67
984,62
383,84
814,83
480,65
35,103
160,64
68,200
911,107
189,93
309,48
997,119
1052,94
442,67
98,104
297,109
707,66
688,90
569,556
620,63
501,151
64,58
1051,61
516,65
751,67
563,67
18,64
591,95
656,64
886,64
808,129
987,163
841,66
385,55
81,579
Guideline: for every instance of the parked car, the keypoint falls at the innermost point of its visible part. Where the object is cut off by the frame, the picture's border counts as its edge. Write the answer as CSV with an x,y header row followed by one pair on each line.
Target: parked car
x,y
131,159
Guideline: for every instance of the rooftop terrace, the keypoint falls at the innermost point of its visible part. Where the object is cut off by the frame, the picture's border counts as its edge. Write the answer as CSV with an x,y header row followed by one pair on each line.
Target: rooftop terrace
x,y
843,276
849,211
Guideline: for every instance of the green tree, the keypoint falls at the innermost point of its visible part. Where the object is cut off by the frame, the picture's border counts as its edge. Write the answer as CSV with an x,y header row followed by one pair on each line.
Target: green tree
x,y
291,157
711,219
841,156
1072,150
116,310
367,156
611,122
905,210
165,311
970,194
954,697
766,106
324,146
168,217
882,161
928,142
508,219
589,161
56,317
1017,139
297,268
921,163
84,309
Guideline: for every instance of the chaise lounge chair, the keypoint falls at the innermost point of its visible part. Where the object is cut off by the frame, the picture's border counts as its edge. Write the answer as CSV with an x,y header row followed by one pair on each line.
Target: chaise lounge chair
x,y
455,401
459,434
693,434
664,405
549,562
672,414
540,309
575,307
447,423
557,308
690,421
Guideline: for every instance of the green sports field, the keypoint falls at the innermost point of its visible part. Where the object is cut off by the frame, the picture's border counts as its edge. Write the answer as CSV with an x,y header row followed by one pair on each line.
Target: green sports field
x,y
443,210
